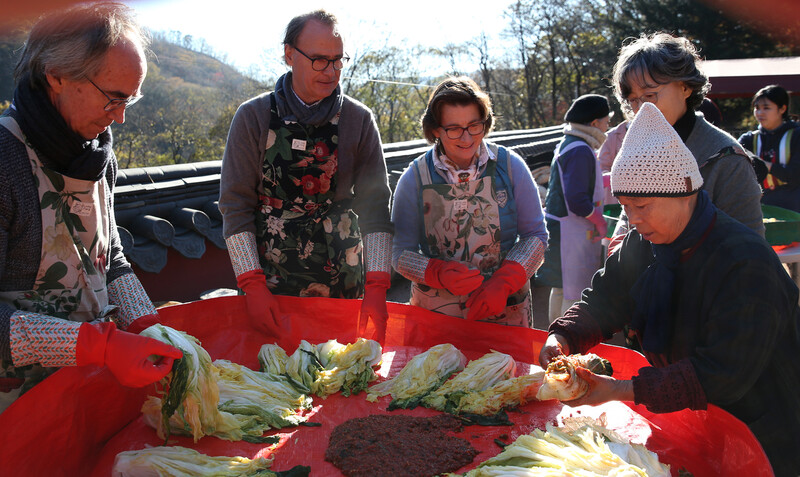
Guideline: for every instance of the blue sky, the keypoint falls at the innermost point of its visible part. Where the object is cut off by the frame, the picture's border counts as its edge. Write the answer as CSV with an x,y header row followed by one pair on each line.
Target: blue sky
x,y
250,31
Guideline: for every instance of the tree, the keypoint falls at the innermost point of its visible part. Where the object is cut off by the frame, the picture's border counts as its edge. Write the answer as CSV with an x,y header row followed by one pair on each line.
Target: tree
x,y
385,80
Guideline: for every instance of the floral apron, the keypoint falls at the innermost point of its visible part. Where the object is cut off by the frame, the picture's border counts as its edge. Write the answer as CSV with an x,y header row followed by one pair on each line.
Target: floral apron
x,y
71,281
462,223
580,257
308,244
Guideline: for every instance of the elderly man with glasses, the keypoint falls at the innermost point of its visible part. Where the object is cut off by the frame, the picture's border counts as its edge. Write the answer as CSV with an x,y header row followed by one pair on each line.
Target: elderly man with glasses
x,y
62,270
304,192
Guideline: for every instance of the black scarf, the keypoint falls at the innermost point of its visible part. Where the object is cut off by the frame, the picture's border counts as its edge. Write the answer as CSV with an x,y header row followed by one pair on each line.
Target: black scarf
x,y
290,108
63,150
653,292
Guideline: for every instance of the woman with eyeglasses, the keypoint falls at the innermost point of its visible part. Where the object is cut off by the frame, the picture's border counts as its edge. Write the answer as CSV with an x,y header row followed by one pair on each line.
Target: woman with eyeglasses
x,y
469,231
773,144
663,69
304,193
574,205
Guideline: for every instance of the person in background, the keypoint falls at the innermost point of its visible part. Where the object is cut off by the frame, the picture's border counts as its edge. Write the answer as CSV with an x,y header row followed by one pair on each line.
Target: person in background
x,y
469,231
711,112
606,155
707,298
62,272
774,143
663,70
574,205
304,192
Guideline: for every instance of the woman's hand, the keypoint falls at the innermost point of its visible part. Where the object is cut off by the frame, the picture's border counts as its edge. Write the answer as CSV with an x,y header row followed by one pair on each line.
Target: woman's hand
x,y
602,389
554,347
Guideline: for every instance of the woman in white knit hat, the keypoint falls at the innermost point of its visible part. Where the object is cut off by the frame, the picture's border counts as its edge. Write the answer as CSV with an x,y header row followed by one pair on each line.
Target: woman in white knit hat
x,y
663,70
706,297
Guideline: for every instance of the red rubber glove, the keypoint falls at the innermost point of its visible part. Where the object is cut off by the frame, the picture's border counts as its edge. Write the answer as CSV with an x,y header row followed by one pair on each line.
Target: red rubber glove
x,y
262,307
456,277
491,297
599,222
142,323
374,305
125,354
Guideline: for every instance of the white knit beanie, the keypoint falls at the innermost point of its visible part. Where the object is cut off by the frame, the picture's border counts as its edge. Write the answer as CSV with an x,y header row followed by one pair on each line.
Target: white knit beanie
x,y
653,160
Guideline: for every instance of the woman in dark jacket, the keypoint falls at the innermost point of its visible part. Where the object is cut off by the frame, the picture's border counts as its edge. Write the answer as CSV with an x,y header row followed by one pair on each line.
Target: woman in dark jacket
x,y
706,297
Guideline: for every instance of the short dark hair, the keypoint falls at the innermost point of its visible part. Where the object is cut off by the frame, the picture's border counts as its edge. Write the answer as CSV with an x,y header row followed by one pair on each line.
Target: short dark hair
x,y
775,93
665,58
299,22
73,42
460,90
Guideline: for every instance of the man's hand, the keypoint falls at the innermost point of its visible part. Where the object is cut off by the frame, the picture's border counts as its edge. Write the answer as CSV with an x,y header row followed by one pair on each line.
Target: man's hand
x,y
373,306
262,307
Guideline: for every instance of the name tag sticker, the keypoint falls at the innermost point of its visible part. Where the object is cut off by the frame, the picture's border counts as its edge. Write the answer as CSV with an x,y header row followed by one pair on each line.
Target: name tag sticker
x,y
298,145
81,209
460,205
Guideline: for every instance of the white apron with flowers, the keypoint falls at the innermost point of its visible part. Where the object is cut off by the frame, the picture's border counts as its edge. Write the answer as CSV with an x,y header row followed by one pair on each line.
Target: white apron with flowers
x,y
462,223
71,281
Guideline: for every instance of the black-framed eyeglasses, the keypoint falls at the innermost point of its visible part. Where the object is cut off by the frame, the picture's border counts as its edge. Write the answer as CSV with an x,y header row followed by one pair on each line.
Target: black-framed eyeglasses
x,y
633,103
455,132
321,64
116,103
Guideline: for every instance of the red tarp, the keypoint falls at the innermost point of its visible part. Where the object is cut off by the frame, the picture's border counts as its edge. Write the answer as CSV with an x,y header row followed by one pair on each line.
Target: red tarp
x,y
77,420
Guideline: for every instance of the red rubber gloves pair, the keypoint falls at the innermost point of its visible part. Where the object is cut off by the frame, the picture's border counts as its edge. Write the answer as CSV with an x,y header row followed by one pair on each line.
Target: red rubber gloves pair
x,y
599,222
491,297
373,306
262,307
128,356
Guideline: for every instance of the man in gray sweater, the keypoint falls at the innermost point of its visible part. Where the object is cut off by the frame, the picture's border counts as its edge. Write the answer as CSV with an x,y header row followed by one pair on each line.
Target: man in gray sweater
x,y
304,186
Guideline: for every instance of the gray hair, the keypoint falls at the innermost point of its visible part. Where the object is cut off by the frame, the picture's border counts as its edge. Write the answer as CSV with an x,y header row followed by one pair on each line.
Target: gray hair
x,y
299,22
665,58
73,42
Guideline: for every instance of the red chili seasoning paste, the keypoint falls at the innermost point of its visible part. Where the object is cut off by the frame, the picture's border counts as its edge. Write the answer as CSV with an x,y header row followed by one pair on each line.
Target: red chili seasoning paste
x,y
397,445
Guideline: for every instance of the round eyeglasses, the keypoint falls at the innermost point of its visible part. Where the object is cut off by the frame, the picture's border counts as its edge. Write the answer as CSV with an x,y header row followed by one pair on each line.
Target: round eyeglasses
x,y
116,103
455,132
634,103
321,64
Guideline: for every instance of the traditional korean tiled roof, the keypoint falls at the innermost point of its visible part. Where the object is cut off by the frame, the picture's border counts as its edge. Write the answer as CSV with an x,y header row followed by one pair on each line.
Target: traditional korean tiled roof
x,y
176,206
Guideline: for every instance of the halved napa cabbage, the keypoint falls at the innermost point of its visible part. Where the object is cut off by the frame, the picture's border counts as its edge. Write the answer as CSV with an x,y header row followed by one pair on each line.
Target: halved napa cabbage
x,y
272,359
303,365
479,375
270,398
422,374
221,398
349,368
183,462
557,451
507,393
190,405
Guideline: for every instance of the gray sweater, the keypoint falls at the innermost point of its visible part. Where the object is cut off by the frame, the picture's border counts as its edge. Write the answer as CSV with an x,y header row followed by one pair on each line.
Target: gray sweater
x,y
728,178
361,173
21,228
